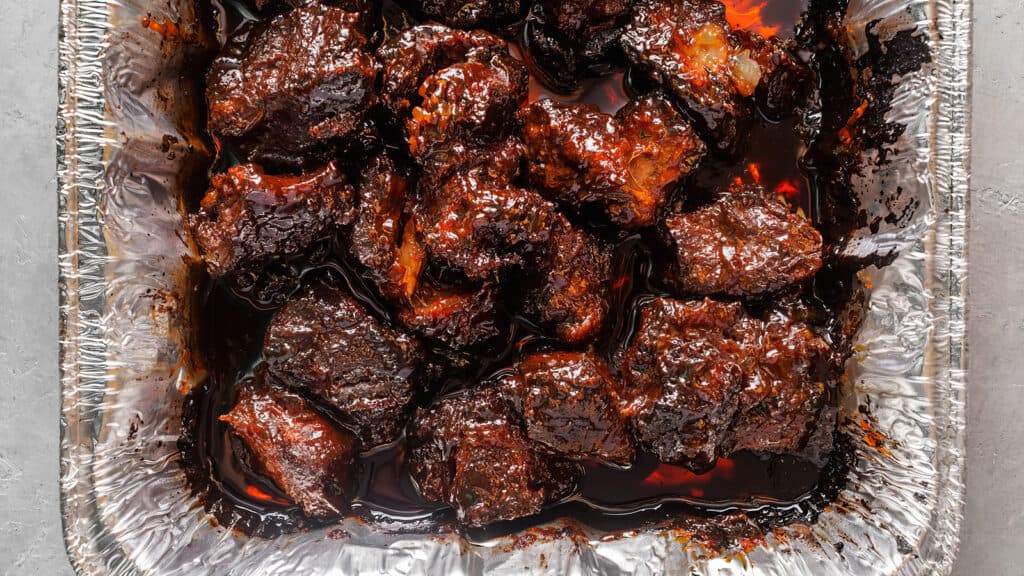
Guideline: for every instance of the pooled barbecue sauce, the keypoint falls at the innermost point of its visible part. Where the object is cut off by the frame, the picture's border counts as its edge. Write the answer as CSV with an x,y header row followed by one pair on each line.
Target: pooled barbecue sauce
x,y
773,488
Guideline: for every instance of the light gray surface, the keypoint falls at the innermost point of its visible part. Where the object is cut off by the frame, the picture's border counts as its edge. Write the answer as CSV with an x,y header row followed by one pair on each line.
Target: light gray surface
x,y
30,533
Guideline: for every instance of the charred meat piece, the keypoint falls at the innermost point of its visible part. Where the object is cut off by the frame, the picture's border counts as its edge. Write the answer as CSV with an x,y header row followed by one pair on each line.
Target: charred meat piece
x,y
714,71
325,342
480,225
570,284
568,38
466,106
249,219
285,88
454,316
470,451
417,53
472,13
628,164
685,378
570,403
707,380
306,455
383,237
743,244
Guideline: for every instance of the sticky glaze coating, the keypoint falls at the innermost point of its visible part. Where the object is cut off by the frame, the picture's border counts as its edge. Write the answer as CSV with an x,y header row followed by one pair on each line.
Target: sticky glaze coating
x,y
568,38
311,459
629,164
714,71
571,404
248,219
706,380
471,452
745,243
290,85
458,317
324,342
416,53
568,290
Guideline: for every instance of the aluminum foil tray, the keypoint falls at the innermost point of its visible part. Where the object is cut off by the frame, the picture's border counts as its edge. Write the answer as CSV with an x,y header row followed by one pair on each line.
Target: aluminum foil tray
x,y
127,143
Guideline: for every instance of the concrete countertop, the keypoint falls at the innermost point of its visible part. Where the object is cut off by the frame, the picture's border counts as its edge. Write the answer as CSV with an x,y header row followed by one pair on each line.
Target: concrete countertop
x,y
30,528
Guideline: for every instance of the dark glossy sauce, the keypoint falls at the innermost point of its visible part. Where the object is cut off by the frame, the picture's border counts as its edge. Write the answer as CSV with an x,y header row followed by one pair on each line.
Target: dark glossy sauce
x,y
780,488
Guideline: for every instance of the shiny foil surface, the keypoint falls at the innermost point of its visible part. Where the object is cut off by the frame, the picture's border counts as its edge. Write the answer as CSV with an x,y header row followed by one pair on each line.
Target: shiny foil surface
x,y
128,145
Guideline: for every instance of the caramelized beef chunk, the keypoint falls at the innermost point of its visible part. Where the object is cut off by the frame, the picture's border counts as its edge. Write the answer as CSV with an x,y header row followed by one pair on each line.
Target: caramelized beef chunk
x,y
628,164
785,365
570,403
418,52
568,292
684,379
470,451
706,380
568,38
325,342
383,237
307,456
472,13
479,225
466,106
713,70
284,89
743,244
249,219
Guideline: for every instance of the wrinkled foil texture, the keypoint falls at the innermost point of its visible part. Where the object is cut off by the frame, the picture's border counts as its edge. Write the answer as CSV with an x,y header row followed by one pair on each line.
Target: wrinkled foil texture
x,y
124,347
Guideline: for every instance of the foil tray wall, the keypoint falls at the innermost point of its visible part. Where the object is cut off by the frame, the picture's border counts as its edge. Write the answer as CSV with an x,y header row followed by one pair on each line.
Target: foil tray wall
x,y
126,144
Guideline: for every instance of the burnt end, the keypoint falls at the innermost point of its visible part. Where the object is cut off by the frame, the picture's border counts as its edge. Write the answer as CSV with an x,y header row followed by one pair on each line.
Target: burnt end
x,y
707,380
323,341
567,39
480,225
571,404
416,53
713,70
453,316
249,219
568,291
472,13
682,372
629,164
470,452
785,365
466,106
308,457
383,237
283,98
743,244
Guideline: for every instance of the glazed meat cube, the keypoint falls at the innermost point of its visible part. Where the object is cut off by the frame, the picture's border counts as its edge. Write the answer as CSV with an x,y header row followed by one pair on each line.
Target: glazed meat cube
x,y
628,164
472,13
307,456
248,219
567,37
417,53
383,237
282,96
784,366
470,452
325,342
685,379
479,225
454,316
569,289
465,106
570,403
743,244
689,48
